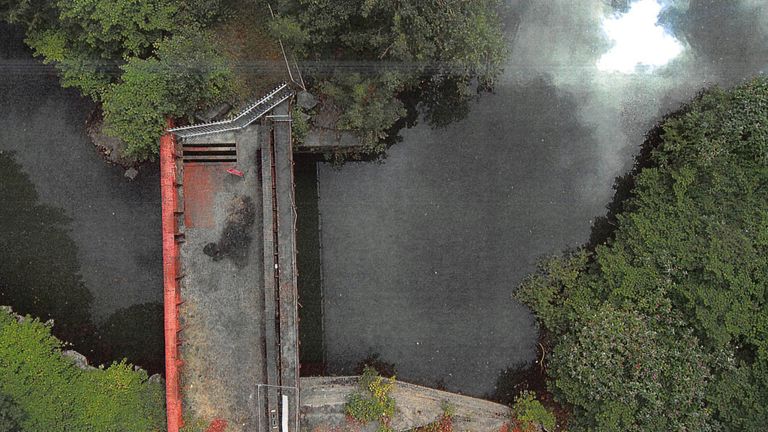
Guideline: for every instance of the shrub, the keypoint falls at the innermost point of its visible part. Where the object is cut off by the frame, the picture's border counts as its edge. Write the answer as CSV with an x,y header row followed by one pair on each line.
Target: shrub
x,y
56,395
530,413
187,74
372,401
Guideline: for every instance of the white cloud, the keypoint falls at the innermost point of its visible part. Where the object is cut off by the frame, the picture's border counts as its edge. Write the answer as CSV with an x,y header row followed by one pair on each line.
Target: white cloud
x,y
637,41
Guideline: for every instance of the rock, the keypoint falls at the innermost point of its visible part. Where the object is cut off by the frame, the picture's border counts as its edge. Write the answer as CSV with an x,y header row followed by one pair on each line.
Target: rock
x,y
156,378
131,173
111,148
215,113
79,359
306,100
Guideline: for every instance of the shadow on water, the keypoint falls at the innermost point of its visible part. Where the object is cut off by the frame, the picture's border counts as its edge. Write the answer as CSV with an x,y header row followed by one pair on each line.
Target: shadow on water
x,y
39,271
312,352
135,333
40,276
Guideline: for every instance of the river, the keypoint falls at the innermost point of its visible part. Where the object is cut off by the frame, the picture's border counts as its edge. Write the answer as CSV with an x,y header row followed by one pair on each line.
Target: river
x,y
110,224
420,253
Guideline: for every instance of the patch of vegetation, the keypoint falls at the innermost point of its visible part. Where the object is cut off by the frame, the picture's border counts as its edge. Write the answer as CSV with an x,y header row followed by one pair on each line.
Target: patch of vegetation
x,y
51,393
442,424
530,413
372,401
661,326
185,74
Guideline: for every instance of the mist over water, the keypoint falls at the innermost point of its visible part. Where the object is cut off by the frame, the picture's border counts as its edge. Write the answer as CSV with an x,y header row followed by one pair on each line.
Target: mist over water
x,y
422,252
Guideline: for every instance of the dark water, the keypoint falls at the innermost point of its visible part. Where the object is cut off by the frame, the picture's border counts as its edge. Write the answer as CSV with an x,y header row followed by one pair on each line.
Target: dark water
x,y
308,260
422,253
79,243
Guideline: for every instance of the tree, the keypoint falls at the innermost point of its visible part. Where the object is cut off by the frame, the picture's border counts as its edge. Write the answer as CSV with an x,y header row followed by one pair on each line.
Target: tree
x,y
692,233
436,49
187,73
143,60
633,372
56,395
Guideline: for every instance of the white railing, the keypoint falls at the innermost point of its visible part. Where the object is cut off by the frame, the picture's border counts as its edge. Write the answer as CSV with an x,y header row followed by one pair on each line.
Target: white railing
x,y
247,116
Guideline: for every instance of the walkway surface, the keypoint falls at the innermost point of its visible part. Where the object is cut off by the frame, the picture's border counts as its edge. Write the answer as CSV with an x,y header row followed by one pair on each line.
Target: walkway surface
x,y
237,312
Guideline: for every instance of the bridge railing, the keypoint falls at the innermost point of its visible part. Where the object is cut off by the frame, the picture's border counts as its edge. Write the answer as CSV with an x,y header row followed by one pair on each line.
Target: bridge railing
x,y
247,116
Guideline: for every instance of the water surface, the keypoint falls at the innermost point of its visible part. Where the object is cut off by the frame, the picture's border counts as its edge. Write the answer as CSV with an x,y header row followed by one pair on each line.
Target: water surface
x,y
422,253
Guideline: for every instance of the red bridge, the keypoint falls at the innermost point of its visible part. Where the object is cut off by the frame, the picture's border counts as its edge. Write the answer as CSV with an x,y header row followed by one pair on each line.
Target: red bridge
x,y
229,256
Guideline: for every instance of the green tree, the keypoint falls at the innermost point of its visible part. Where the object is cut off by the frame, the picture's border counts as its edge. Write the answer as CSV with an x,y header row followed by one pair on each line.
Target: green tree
x,y
692,232
187,73
57,395
143,60
433,49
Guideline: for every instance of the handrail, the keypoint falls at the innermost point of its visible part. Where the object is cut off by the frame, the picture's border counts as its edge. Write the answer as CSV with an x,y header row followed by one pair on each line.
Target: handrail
x,y
247,116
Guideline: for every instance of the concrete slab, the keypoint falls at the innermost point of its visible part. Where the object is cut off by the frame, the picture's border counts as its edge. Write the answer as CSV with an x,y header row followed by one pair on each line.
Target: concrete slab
x,y
222,290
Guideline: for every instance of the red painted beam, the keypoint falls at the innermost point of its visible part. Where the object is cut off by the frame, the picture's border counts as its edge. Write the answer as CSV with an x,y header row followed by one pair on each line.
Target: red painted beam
x,y
171,298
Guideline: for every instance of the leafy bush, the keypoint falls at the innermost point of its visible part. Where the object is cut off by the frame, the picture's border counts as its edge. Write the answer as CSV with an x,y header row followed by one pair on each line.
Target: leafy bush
x,y
187,74
530,413
663,325
56,395
11,415
372,402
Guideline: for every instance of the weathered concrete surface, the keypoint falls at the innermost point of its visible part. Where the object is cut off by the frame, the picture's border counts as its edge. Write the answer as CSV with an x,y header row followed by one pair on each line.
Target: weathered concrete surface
x,y
323,400
319,140
222,314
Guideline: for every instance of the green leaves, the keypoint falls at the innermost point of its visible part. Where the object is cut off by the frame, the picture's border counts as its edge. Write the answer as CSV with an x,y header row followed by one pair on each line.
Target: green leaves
x,y
189,73
53,394
372,401
422,53
681,289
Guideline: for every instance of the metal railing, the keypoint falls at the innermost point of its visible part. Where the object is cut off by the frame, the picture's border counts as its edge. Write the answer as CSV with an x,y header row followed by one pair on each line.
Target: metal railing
x,y
247,116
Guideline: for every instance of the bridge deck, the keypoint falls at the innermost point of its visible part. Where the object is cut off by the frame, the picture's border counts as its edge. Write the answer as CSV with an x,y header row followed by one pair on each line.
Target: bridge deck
x,y
238,311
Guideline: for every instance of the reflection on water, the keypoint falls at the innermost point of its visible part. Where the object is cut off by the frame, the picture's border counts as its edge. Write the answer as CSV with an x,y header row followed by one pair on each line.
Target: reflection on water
x,y
40,276
39,271
639,42
311,352
422,252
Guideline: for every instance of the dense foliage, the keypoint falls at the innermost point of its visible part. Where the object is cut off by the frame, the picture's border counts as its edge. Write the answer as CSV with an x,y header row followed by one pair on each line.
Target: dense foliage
x,y
530,414
184,71
445,52
135,57
663,326
48,392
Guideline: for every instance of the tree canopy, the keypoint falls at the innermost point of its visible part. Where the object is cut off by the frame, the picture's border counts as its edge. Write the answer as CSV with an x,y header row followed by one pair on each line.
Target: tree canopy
x,y
377,64
377,60
42,390
678,288
143,60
